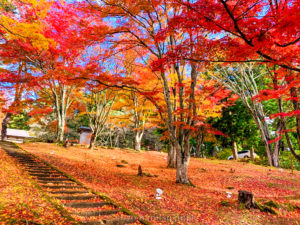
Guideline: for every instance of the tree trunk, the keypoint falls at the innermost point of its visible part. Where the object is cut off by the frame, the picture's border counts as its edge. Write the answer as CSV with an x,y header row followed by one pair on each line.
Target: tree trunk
x,y
92,141
137,144
61,131
57,135
5,125
252,153
295,93
138,140
199,142
60,128
172,157
289,142
264,132
117,140
110,139
266,138
213,152
234,150
61,136
183,159
275,155
199,150
62,103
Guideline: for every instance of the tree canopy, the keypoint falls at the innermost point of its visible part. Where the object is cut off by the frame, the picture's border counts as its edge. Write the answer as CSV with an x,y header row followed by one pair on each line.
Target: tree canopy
x,y
168,64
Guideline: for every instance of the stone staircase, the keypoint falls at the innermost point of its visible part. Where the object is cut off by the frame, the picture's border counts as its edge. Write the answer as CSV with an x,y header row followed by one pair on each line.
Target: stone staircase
x,y
84,206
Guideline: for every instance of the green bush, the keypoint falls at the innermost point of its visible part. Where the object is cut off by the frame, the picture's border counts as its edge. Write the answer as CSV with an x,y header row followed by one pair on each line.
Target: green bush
x,y
224,153
262,161
288,161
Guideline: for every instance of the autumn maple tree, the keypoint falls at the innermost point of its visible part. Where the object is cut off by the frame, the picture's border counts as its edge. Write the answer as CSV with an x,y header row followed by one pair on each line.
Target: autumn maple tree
x,y
54,65
135,110
137,27
98,105
249,31
137,113
263,31
20,24
21,21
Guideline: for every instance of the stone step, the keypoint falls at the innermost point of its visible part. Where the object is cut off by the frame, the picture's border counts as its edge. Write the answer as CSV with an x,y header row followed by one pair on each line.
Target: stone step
x,y
62,186
53,179
27,161
85,204
22,157
120,221
46,175
76,197
25,158
96,213
45,172
68,192
37,167
49,177
30,164
41,171
56,182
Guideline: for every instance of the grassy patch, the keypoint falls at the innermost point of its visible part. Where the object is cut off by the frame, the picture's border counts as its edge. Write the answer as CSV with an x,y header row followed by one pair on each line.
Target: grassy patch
x,y
224,203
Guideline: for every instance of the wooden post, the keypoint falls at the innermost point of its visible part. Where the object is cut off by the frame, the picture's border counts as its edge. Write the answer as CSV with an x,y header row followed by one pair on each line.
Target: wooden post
x,y
140,172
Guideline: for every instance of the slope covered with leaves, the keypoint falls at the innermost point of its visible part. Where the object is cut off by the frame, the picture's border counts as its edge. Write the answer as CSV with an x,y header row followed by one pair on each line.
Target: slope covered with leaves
x,y
114,172
20,201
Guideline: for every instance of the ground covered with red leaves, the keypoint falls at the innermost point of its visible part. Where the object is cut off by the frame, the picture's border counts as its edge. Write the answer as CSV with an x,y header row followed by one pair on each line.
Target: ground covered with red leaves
x,y
114,173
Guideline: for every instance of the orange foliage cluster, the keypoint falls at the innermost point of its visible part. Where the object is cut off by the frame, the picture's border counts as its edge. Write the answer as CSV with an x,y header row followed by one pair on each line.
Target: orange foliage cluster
x,y
20,201
180,204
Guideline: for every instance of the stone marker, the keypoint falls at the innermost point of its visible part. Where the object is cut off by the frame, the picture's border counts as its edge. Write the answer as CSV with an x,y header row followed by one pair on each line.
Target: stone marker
x,y
140,172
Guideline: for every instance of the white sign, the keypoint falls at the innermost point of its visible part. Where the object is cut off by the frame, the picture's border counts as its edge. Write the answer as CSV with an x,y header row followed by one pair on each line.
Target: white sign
x,y
159,193
228,194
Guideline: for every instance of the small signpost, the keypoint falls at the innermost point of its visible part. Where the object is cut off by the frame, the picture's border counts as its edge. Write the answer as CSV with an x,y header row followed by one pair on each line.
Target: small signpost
x,y
159,193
